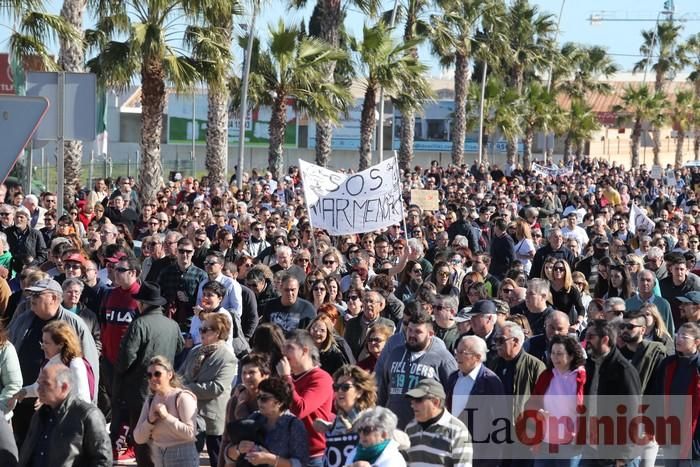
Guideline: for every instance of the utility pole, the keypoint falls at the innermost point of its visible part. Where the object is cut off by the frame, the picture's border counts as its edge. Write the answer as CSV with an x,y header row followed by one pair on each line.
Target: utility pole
x,y
244,97
380,131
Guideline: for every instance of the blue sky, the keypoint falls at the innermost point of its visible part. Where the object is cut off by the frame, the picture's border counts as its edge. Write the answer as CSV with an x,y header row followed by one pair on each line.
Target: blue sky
x,y
622,39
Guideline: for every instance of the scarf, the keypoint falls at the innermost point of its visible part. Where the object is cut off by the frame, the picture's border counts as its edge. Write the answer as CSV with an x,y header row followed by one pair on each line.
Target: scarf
x,y
203,352
370,454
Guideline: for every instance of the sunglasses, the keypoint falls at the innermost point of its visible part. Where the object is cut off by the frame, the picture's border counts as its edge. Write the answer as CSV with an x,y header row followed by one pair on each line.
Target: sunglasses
x,y
329,262
185,252
210,263
354,297
156,374
630,326
558,269
122,269
366,430
71,266
319,289
345,387
205,329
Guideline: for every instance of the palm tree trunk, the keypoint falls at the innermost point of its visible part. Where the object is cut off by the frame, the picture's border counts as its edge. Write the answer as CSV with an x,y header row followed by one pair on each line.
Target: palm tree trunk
x,y
330,20
527,148
568,143
368,123
512,151
153,99
656,140
217,134
679,147
636,137
408,133
459,127
72,58
278,126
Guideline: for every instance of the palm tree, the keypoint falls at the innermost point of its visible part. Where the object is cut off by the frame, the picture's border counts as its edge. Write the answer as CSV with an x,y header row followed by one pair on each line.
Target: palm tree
x,y
411,100
206,41
32,30
662,54
453,41
684,115
581,71
150,29
581,123
295,66
539,107
641,107
531,49
507,121
386,64
327,24
691,50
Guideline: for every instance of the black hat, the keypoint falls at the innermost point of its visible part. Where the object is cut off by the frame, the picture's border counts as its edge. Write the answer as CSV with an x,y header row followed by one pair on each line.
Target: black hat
x,y
149,294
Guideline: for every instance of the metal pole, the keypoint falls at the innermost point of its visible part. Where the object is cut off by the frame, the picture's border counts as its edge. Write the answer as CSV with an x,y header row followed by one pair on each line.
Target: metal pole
x,y
244,97
30,168
380,132
61,146
481,111
651,48
46,168
194,124
91,169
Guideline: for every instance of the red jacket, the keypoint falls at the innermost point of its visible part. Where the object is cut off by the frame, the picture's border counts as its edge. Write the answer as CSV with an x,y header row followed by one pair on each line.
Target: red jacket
x,y
118,311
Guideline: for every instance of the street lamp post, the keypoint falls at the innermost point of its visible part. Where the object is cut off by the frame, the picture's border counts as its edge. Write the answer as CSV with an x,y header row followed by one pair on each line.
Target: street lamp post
x,y
380,132
549,80
244,97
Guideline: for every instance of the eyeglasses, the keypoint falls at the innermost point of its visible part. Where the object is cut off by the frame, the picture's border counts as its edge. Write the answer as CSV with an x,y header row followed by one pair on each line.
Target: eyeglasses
x,y
329,262
303,260
345,387
210,263
123,269
366,430
71,266
443,273
630,326
558,269
3,214
319,289
580,284
185,252
155,374
200,240
205,329
417,271
501,340
354,297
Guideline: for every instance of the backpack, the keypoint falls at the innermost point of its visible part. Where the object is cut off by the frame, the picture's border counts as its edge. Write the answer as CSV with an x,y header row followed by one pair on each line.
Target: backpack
x,y
90,378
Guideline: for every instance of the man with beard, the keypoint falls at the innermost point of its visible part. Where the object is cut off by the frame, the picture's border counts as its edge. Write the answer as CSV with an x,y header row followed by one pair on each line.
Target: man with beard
x,y
406,365
645,355
690,307
608,374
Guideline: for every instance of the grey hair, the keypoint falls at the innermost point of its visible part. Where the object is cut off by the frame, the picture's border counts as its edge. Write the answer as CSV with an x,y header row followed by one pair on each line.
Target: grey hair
x,y
645,238
284,250
556,314
63,375
515,331
540,286
174,236
655,252
9,207
73,281
611,302
531,212
459,241
302,338
415,245
377,417
647,271
450,300
478,344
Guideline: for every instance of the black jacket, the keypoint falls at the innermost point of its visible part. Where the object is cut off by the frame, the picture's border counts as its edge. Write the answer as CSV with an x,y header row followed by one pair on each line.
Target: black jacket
x,y
79,437
26,247
249,313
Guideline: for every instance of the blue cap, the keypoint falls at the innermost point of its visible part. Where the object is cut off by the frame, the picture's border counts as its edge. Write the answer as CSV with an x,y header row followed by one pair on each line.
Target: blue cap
x,y
690,297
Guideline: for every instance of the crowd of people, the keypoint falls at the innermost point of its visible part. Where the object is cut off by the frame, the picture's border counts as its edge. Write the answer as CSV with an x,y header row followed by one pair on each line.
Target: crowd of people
x,y
215,319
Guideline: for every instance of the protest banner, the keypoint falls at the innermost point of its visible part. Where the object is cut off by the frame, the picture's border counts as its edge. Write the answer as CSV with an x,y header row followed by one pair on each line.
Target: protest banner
x,y
427,200
353,203
639,221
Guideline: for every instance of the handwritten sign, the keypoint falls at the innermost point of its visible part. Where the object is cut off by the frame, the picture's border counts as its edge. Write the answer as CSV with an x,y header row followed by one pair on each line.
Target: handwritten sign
x,y
428,200
552,171
353,203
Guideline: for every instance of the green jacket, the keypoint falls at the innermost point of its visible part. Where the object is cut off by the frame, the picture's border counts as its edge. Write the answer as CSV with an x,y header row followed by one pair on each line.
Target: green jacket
x,y
646,360
527,370
150,334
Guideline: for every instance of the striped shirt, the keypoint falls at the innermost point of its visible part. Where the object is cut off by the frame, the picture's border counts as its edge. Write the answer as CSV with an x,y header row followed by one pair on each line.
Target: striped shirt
x,y
444,443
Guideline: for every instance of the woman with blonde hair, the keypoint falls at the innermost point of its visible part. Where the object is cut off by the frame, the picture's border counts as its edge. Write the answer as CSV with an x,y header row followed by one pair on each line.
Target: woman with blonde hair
x,y
61,345
566,297
656,328
323,334
582,285
525,248
168,421
634,264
